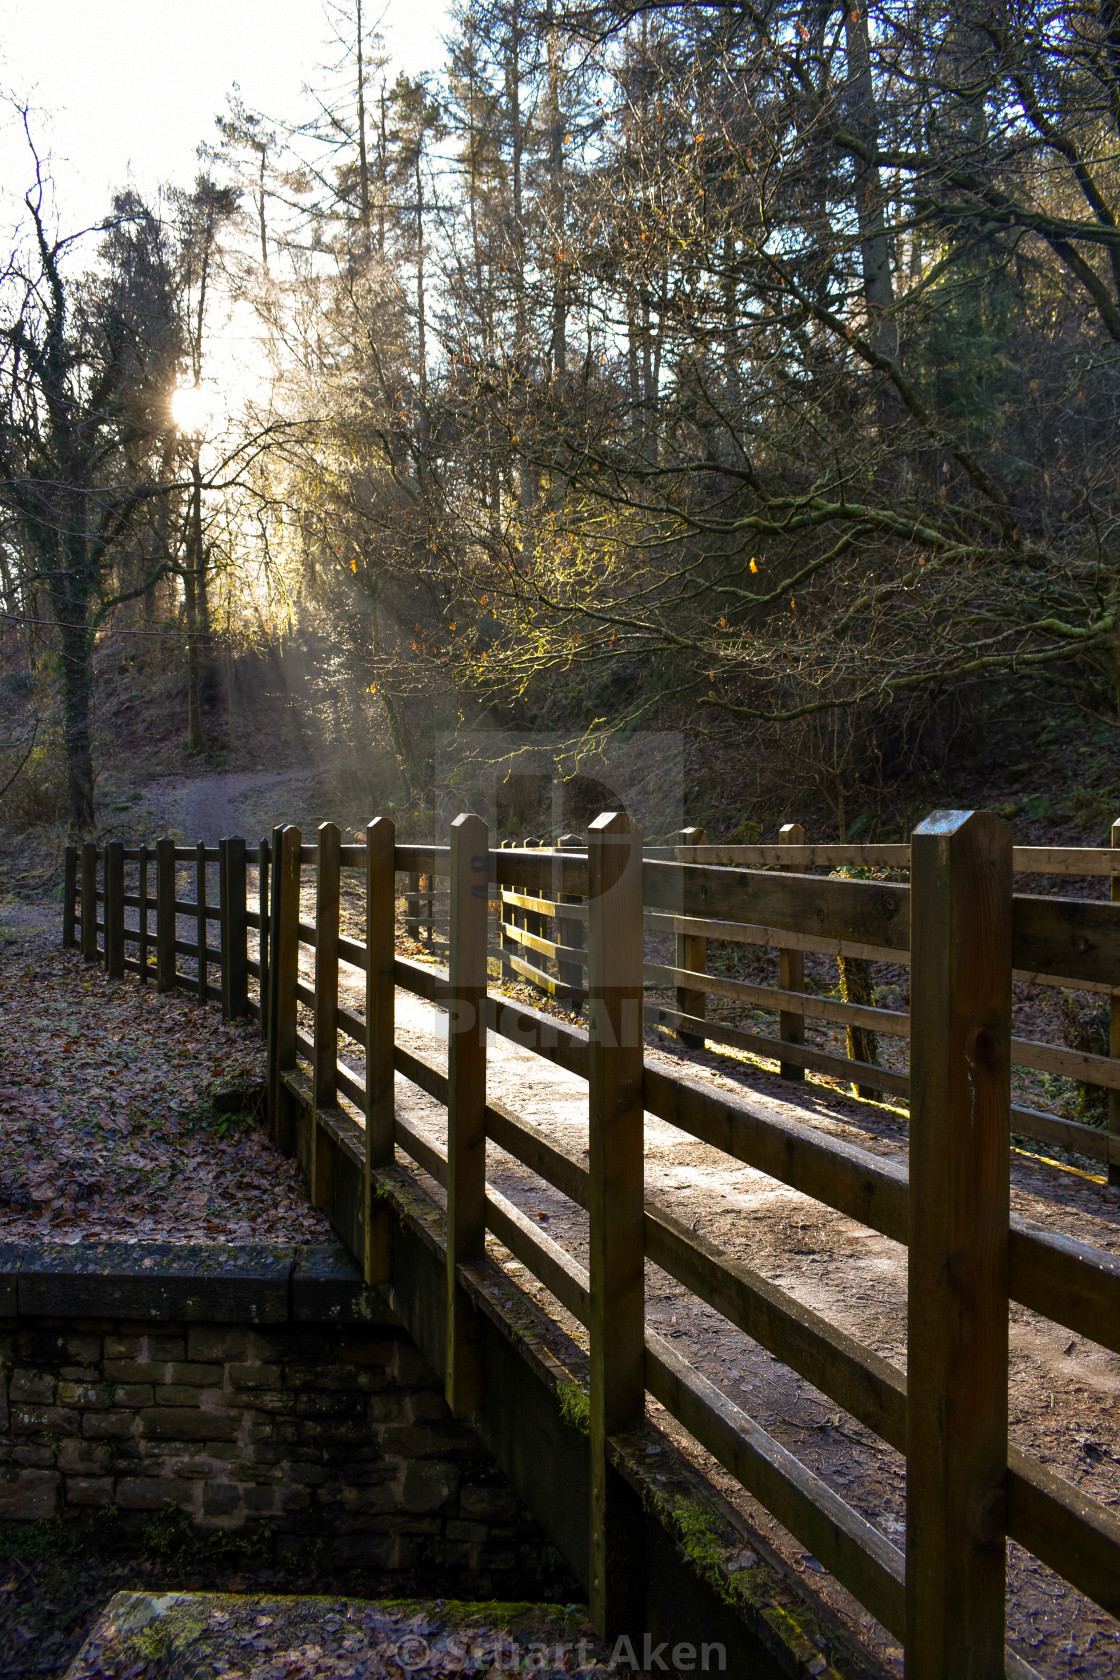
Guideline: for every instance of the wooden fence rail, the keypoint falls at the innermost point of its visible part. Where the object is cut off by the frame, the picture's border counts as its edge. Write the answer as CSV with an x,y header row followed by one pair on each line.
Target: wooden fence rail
x,y
964,933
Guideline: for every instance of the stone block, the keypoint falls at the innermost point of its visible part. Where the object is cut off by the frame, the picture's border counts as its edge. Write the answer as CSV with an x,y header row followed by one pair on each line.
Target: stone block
x,y
136,1493
157,1282
93,1396
81,1457
35,1453
428,1485
35,1387
108,1426
165,1347
470,1532
122,1347
28,1495
182,1394
182,1423
89,1490
221,1499
358,1348
216,1342
132,1394
327,1288
26,1420
194,1374
11,1258
412,1370
489,1504
255,1376
135,1370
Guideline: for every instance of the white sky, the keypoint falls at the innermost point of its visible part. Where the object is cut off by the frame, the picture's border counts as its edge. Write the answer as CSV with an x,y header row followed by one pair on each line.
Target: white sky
x,y
126,89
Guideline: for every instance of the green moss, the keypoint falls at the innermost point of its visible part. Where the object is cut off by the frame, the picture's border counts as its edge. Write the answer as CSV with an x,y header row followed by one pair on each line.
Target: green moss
x,y
575,1407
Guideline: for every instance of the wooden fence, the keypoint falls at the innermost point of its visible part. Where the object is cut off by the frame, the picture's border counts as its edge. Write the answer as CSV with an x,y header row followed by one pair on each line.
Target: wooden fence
x,y
542,943
964,934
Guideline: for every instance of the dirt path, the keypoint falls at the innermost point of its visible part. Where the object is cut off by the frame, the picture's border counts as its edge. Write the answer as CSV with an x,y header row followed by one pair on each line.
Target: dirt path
x,y
210,807
1063,1388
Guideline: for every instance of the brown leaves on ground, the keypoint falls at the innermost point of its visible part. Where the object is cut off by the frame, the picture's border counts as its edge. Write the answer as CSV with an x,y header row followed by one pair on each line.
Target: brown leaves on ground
x,y
106,1129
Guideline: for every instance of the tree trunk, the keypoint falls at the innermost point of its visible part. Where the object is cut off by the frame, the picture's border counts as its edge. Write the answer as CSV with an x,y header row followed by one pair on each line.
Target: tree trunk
x,y
77,704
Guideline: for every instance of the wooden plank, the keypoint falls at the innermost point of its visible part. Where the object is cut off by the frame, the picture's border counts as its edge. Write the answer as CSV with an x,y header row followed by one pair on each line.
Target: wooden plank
x,y
957,1340
1092,1142
264,860
846,1544
142,907
235,930
1067,1281
873,913
545,982
466,1103
574,955
114,908
69,897
380,1033
506,921
325,1006
547,1037
691,952
1114,1029
308,934
1069,1530
412,900
1075,938
754,933
428,860
891,856
535,873
890,1021
165,915
569,909
775,1049
1084,861
616,1246
1073,1064
791,971
89,901
283,978
201,916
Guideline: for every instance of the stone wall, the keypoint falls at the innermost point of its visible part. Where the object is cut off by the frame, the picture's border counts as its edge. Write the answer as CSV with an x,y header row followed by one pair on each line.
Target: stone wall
x,y
262,1393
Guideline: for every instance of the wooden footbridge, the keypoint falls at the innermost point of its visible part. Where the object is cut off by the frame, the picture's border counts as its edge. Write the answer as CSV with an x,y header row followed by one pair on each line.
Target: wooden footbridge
x,y
566,1413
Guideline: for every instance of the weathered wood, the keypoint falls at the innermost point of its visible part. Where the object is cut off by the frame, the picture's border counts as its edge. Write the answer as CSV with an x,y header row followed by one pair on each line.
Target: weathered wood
x,y
114,909
466,1103
142,906
570,929
891,1021
327,904
89,901
201,916
1073,938
165,915
791,970
380,1032
505,923
69,898
1114,1028
325,1003
235,929
263,900
800,1055
616,1245
959,1212
691,951
283,978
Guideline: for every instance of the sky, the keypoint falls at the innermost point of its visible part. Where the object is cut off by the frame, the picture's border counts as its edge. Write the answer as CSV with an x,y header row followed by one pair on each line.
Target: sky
x,y
124,90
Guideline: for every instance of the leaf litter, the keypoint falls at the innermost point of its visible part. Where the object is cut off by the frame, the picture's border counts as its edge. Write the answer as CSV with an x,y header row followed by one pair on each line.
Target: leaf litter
x,y
108,1127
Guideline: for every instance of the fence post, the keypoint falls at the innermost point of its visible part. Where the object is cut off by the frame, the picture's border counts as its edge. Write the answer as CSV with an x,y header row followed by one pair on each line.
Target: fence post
x,y
328,882
89,901
381,910
200,915
235,929
69,897
616,1257
466,1102
165,915
791,968
570,929
114,909
283,979
692,953
263,903
959,1209
1114,1044
142,914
